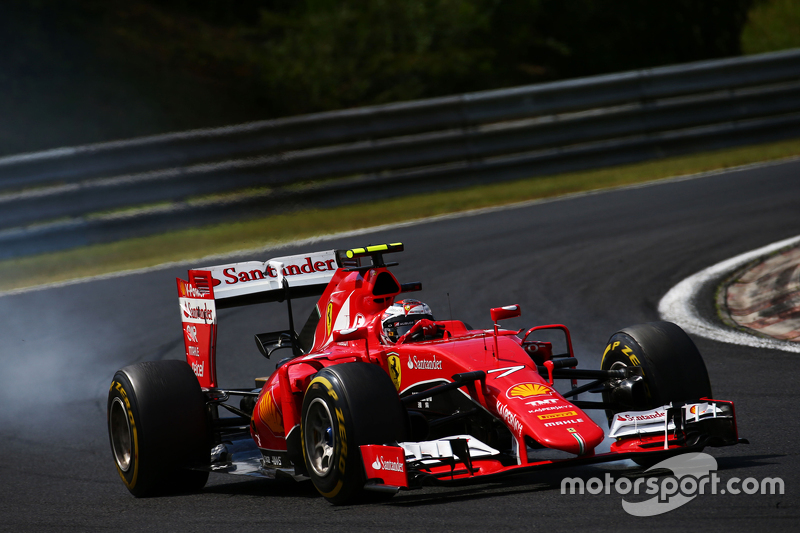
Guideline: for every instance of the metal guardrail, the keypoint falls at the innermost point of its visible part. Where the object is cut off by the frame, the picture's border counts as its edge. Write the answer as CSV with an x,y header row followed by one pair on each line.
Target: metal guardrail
x,y
377,152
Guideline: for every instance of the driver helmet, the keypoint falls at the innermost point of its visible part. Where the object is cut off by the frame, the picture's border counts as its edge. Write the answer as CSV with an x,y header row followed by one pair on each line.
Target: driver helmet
x,y
400,316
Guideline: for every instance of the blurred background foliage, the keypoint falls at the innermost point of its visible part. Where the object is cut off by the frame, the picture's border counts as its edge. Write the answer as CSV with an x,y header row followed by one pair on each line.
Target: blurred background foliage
x,y
93,70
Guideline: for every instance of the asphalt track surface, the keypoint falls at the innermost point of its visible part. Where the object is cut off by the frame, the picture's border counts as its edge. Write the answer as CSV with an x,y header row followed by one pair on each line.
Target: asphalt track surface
x,y
596,263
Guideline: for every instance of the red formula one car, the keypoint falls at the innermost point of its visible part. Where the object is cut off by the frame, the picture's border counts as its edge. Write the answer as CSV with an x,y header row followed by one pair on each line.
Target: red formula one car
x,y
375,394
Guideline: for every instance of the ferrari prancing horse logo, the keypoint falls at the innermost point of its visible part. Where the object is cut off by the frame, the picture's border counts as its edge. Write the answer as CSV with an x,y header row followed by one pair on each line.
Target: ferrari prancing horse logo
x,y
395,369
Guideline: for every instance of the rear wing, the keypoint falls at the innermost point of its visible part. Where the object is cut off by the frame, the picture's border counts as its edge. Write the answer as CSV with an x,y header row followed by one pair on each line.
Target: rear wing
x,y
209,289
237,284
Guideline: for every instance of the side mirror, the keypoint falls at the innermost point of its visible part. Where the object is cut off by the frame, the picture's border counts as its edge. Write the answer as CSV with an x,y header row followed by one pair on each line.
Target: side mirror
x,y
412,286
502,313
344,335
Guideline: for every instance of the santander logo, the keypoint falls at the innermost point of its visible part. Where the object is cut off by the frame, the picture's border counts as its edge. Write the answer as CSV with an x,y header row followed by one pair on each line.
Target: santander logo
x,y
624,417
197,312
424,364
233,275
391,466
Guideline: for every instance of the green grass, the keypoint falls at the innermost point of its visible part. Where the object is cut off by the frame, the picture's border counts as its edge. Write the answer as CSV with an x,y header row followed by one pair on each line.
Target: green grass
x,y
223,238
772,25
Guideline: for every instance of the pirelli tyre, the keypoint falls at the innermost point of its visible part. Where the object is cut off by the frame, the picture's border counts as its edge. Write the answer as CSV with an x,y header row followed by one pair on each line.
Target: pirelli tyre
x,y
673,368
158,428
346,406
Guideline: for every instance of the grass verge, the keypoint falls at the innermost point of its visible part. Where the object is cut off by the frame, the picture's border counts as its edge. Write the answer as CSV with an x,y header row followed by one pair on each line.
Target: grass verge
x,y
223,238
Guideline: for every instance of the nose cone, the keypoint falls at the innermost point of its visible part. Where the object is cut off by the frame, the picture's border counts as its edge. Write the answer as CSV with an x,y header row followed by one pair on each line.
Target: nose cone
x,y
537,410
530,406
578,435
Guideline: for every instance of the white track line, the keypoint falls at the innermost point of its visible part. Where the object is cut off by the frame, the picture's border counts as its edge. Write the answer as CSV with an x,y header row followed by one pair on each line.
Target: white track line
x,y
678,304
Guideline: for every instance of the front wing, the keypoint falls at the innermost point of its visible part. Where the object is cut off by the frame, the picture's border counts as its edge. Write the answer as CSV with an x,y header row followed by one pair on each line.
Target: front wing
x,y
667,430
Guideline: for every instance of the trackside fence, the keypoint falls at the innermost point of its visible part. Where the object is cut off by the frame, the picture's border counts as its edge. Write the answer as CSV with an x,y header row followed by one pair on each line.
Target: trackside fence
x,y
81,195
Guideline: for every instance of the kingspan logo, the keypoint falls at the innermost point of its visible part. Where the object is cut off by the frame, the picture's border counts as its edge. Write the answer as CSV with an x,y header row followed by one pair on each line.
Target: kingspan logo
x,y
391,466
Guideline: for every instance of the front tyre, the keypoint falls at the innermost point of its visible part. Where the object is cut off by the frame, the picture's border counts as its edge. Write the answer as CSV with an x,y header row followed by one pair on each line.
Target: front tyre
x,y
346,406
158,429
673,368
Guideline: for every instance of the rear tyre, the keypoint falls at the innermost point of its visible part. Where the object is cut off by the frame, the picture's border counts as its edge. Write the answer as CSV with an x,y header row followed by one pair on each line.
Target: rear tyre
x,y
674,370
158,428
346,406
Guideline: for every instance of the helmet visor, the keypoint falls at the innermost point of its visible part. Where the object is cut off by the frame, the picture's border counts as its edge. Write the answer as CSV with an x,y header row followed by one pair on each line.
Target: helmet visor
x,y
398,326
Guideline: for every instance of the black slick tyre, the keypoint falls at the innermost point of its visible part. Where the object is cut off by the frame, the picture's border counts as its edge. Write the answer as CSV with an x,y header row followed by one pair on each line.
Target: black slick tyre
x,y
158,428
673,368
346,406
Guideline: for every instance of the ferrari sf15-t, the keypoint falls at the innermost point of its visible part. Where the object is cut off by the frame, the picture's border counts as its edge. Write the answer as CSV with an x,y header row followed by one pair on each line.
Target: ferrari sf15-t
x,y
354,410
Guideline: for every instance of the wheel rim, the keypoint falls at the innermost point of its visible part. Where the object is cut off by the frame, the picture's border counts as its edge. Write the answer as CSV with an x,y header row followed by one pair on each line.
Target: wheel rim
x,y
120,434
318,433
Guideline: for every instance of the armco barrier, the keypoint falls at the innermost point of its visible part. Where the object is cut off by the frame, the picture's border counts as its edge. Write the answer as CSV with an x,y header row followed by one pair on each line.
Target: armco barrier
x,y
438,143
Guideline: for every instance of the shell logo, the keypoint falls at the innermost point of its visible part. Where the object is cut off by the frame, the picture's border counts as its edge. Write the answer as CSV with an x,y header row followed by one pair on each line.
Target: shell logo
x,y
526,390
703,409
269,414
